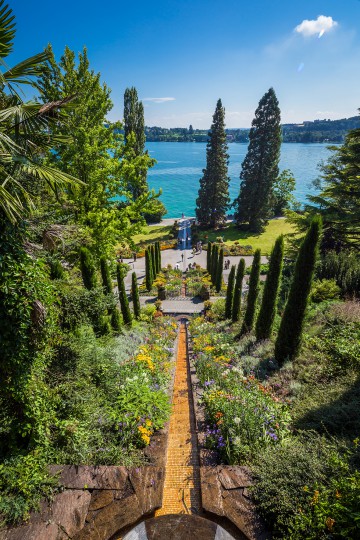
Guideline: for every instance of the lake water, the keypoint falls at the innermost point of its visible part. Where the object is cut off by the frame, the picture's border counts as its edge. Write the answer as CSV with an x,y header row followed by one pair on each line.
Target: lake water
x,y
179,169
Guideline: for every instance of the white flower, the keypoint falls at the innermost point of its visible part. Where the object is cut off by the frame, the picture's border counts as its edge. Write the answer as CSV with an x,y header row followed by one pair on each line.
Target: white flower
x,y
237,420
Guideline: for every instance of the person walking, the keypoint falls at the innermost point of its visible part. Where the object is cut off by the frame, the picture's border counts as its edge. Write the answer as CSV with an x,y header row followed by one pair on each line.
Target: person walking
x,y
182,257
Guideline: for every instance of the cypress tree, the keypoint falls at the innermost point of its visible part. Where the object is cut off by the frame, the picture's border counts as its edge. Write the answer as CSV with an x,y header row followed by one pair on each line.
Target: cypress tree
x,y
267,312
230,293
105,275
208,257
87,269
115,320
252,294
289,337
148,269
238,290
214,263
213,200
153,261
135,295
260,166
124,303
219,270
158,252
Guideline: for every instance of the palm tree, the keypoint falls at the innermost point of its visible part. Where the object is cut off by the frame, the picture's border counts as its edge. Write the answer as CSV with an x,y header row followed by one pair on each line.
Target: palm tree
x,y
25,128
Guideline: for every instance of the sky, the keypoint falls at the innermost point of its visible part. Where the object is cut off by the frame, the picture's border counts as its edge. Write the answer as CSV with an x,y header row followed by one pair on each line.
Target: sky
x,y
183,55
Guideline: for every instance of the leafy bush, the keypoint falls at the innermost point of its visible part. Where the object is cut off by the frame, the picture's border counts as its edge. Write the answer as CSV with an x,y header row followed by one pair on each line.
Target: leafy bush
x,y
81,306
344,267
307,489
104,396
325,289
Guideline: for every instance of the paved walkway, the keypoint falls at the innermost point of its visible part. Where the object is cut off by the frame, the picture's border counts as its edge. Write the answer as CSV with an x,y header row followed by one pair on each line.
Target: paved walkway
x,y
182,472
173,257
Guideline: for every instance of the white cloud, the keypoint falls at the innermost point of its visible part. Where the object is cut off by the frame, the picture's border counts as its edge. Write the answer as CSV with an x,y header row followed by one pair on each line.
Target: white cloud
x,y
319,26
159,99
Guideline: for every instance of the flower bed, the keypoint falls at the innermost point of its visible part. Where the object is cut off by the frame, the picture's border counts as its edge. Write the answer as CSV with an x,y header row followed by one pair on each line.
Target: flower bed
x,y
142,404
197,282
234,249
242,414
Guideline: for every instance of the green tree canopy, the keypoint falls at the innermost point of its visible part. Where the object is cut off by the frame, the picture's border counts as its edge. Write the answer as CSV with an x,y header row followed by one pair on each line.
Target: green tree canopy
x,y
260,166
96,155
282,192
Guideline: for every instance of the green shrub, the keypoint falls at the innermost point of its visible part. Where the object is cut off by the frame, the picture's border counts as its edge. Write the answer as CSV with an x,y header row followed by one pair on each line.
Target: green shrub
x,y
325,289
344,267
80,306
285,475
56,269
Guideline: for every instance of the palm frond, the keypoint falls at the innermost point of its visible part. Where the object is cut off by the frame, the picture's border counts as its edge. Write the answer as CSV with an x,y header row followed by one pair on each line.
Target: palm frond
x,y
21,72
7,29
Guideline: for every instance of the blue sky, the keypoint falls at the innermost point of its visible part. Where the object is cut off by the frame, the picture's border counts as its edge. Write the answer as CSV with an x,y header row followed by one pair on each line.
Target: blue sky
x,y
194,51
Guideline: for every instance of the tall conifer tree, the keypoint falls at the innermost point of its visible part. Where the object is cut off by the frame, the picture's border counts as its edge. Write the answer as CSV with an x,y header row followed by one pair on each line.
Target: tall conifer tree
x,y
214,263
252,294
260,166
219,270
213,200
124,302
153,261
238,290
208,257
230,293
87,268
105,275
135,295
289,337
148,269
267,312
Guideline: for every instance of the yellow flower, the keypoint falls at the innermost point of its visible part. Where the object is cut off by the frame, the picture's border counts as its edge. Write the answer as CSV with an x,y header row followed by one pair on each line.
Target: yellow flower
x,y
315,498
330,523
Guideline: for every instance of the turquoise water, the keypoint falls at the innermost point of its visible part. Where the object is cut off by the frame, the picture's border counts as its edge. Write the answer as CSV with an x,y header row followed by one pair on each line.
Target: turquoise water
x,y
179,169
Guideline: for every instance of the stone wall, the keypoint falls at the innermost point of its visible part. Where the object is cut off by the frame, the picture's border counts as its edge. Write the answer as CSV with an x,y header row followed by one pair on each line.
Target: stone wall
x,y
96,503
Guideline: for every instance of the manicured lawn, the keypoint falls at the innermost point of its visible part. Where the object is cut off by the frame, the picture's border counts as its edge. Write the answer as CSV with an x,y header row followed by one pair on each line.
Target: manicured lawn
x,y
153,234
230,234
264,241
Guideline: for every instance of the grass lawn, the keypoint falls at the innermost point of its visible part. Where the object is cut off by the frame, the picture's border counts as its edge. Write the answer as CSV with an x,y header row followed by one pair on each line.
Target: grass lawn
x,y
153,234
264,241
230,234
